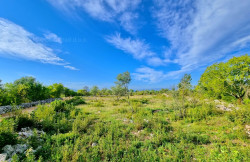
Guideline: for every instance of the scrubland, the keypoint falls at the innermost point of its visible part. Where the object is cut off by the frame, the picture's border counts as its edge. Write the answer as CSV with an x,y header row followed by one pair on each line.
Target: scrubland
x,y
144,128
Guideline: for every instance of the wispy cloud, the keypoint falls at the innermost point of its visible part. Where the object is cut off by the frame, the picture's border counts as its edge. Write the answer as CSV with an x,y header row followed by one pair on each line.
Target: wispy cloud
x,y
17,42
136,47
147,74
70,67
201,32
52,37
104,10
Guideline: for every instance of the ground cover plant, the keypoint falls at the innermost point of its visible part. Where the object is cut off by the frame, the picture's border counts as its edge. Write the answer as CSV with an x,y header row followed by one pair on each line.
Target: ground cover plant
x,y
148,132
187,123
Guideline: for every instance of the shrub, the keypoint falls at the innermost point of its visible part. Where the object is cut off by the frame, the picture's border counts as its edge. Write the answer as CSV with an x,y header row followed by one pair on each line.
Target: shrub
x,y
23,122
58,105
77,100
240,116
246,101
7,138
98,104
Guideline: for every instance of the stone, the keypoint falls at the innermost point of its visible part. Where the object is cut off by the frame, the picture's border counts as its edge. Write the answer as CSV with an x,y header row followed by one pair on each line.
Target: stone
x,y
223,108
247,128
19,148
3,157
27,132
94,144
216,101
5,109
8,149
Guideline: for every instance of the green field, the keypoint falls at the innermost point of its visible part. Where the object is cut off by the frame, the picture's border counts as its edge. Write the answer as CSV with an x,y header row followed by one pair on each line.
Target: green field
x,y
147,128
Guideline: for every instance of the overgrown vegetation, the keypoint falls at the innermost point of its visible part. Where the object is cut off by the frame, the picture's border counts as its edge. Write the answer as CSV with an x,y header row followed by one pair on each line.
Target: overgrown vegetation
x,y
182,124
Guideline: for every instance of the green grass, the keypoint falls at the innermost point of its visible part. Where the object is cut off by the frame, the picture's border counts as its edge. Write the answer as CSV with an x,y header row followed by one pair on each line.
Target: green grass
x,y
149,128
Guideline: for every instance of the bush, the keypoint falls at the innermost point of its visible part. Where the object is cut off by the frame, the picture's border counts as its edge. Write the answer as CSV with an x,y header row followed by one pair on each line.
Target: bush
x,y
246,101
23,122
98,104
240,116
77,100
58,105
7,138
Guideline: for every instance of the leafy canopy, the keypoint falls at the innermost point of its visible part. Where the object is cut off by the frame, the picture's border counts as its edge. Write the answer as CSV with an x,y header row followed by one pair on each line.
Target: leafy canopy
x,y
227,79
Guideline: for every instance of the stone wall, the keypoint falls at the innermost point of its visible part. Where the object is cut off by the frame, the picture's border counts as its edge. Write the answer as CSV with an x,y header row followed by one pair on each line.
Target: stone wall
x,y
9,108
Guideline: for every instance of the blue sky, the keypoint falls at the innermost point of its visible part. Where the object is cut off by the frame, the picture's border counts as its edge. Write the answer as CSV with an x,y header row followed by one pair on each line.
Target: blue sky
x,y
89,42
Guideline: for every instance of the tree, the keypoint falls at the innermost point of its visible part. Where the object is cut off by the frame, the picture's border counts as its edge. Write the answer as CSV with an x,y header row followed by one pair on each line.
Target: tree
x,y
184,88
56,90
185,84
227,79
83,92
68,92
1,86
118,91
94,90
35,90
123,80
86,88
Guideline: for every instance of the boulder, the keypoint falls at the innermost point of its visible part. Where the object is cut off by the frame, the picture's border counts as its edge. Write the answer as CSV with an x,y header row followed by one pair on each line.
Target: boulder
x,y
3,157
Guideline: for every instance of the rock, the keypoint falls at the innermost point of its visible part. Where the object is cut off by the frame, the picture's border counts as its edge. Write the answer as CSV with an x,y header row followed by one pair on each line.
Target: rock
x,y
155,111
247,128
230,106
20,148
16,149
137,133
27,132
9,108
94,144
3,157
223,108
8,149
131,121
216,101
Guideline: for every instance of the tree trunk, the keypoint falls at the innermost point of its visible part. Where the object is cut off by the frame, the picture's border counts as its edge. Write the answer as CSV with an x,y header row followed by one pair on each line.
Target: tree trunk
x,y
239,100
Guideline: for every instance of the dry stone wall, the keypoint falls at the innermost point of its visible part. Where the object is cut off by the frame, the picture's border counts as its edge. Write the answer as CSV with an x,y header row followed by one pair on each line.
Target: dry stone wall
x,y
9,108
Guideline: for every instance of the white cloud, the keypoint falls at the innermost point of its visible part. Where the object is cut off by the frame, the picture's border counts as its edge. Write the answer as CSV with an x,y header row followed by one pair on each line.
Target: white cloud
x,y
147,74
137,48
53,37
127,22
104,10
16,42
201,32
70,67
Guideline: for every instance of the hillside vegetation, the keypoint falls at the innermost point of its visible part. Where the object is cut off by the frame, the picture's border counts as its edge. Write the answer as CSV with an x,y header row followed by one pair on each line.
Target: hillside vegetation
x,y
209,122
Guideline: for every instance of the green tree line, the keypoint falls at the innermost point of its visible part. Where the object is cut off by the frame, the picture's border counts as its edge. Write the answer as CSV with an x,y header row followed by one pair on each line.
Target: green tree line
x,y
28,89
